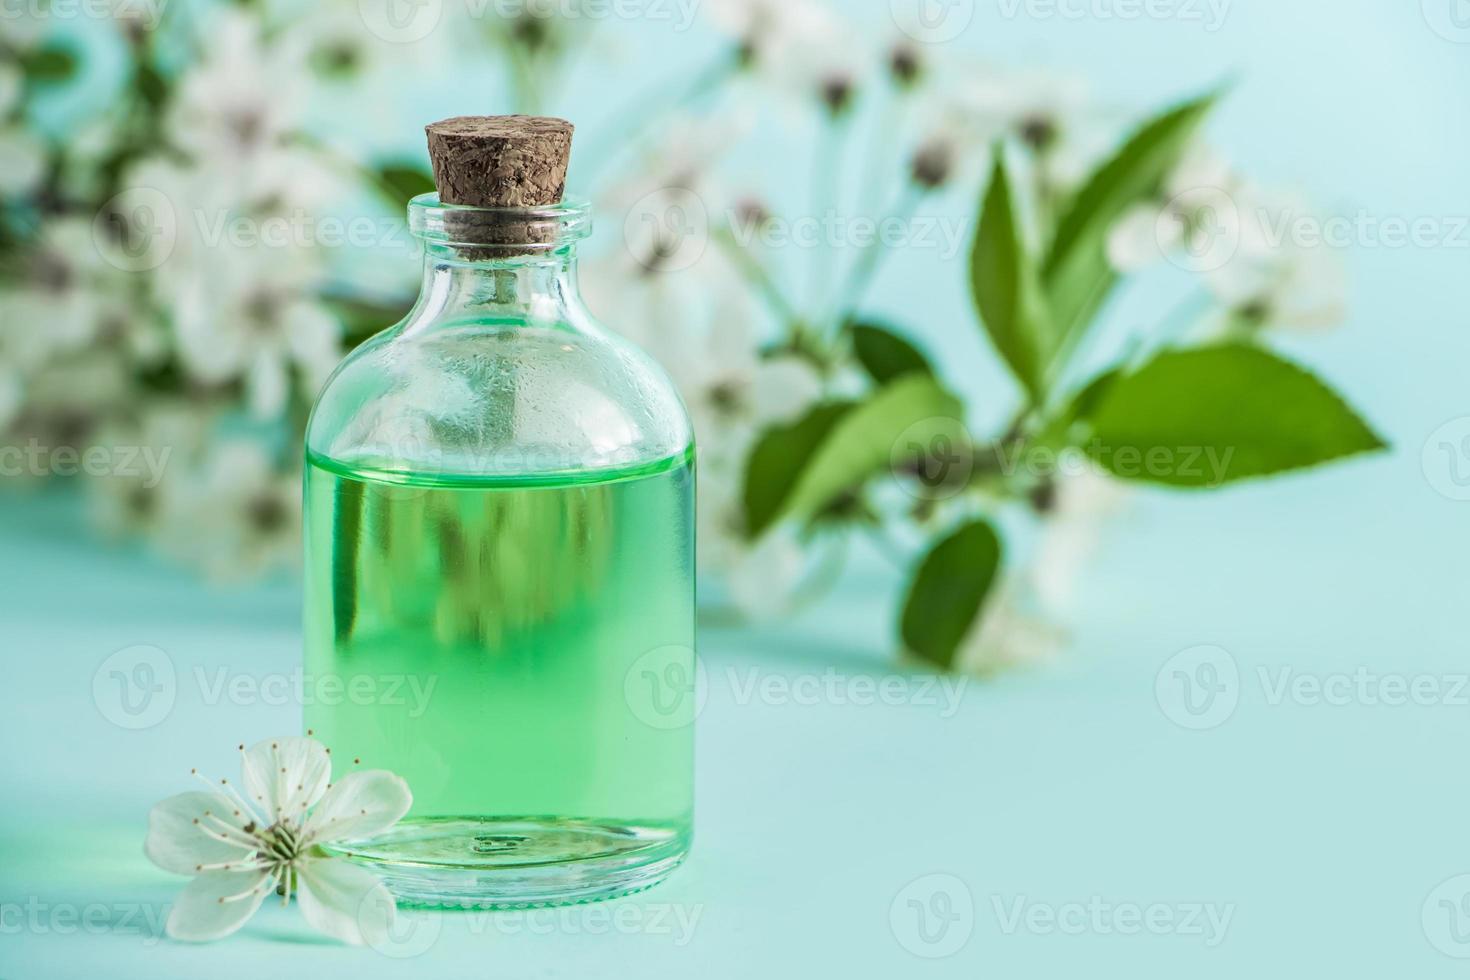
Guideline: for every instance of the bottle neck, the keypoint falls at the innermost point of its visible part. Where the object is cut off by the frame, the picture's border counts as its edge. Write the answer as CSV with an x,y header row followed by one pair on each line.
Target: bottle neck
x,y
460,283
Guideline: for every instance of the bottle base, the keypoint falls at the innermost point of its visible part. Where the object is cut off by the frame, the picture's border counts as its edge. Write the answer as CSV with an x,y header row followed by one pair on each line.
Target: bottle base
x,y
517,862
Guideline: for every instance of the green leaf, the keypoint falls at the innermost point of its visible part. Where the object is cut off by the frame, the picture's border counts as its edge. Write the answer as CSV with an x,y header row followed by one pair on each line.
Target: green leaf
x,y
49,65
884,354
1076,272
798,472
151,87
776,462
948,593
863,442
1006,287
1201,418
402,183
1085,402
1062,428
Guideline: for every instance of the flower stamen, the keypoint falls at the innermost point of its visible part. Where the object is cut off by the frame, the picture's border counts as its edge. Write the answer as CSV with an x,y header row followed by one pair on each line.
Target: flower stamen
x,y
223,830
228,793
252,891
265,854
245,864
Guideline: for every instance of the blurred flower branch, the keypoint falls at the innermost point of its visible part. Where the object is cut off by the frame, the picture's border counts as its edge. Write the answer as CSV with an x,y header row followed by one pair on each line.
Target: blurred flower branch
x,y
134,317
842,423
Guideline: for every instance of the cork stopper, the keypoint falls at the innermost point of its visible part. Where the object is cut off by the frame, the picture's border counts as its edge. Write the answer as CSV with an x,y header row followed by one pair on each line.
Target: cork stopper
x,y
500,161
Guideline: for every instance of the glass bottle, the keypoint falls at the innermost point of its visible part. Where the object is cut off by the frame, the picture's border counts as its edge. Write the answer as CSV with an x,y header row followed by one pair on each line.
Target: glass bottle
x,y
500,576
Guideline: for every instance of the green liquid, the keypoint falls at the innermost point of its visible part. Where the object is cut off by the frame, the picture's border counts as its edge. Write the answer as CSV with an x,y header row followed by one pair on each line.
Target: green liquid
x,y
521,649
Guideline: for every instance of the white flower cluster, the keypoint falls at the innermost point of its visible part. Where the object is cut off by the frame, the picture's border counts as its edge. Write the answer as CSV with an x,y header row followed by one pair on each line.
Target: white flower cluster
x,y
1210,220
131,318
135,315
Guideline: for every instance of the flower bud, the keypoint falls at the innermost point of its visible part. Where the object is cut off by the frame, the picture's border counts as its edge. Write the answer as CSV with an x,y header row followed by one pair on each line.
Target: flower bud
x,y
905,64
932,164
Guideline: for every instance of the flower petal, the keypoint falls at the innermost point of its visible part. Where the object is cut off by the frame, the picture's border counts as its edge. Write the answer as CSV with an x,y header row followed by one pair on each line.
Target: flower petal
x,y
286,775
360,805
22,162
178,833
344,901
267,384
313,336
216,904
1140,238
783,388
765,576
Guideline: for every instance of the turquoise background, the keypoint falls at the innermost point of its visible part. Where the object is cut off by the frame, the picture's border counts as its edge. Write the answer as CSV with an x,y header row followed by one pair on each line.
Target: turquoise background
x,y
1326,827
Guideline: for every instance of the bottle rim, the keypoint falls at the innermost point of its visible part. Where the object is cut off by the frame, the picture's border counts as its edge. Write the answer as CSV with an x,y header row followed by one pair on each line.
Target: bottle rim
x,y
542,228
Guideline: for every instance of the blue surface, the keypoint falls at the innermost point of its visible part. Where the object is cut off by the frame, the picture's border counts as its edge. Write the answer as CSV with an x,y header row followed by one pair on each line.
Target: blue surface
x,y
1326,830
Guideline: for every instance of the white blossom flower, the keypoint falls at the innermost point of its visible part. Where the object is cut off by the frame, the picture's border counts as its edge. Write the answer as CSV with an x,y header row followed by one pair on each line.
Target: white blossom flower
x,y
772,33
700,323
763,576
795,46
698,319
56,313
242,98
239,517
237,109
544,28
1210,220
66,398
828,67
64,293
12,86
1050,113
167,436
251,314
168,213
25,346
733,394
22,162
267,835
338,47
733,390
760,577
1009,633
1196,220
88,146
1276,282
1076,509
21,33
665,282
678,171
12,395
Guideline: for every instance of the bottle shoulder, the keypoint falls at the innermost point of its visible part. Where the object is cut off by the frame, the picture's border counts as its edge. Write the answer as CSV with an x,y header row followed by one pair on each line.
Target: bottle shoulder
x,y
491,398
